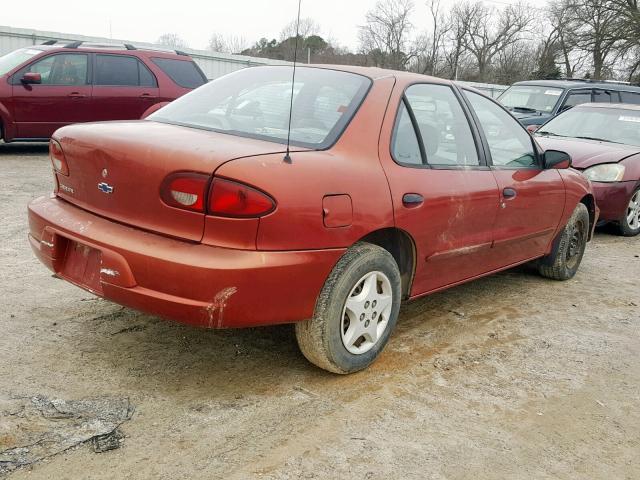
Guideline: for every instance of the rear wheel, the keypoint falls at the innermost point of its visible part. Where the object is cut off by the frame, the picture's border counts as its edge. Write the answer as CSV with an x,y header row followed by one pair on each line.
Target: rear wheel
x,y
564,261
355,313
629,224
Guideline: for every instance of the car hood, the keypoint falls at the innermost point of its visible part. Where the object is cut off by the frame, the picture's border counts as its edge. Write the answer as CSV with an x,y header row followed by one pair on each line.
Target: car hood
x,y
586,153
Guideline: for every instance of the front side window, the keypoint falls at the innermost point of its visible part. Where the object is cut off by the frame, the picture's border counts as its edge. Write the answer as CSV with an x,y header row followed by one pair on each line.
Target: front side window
x,y
509,144
531,98
255,102
61,69
183,72
630,97
441,124
120,70
577,98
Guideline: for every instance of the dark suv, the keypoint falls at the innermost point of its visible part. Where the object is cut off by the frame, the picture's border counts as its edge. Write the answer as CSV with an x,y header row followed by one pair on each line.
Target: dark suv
x,y
537,101
45,87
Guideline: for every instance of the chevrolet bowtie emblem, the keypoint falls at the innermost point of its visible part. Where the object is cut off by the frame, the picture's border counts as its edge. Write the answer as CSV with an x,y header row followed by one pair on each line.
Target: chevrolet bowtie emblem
x,y
105,187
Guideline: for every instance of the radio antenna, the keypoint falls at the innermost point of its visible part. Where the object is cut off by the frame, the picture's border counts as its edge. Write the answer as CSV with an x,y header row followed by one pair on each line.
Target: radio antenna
x,y
287,157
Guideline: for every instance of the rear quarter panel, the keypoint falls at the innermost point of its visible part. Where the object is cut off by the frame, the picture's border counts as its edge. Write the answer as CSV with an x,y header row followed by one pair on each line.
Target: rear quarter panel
x,y
351,167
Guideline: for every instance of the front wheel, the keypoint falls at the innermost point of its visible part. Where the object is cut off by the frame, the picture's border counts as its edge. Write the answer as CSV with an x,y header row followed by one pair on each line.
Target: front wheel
x,y
355,313
629,224
563,262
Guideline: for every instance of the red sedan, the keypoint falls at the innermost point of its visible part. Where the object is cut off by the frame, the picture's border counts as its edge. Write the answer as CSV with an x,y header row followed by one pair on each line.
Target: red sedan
x,y
397,185
604,141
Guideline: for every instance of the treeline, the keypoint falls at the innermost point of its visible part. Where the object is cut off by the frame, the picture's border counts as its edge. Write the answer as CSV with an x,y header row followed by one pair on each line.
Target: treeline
x,y
474,41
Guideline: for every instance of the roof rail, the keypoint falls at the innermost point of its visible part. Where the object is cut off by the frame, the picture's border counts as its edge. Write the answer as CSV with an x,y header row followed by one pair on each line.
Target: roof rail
x,y
73,45
591,80
49,42
127,46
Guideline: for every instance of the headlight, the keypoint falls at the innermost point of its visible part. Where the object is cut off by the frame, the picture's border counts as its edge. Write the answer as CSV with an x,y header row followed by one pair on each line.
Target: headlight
x,y
607,172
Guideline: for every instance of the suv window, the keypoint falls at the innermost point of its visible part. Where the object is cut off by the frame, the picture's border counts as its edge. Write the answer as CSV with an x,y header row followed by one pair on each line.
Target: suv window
x,y
120,70
577,97
60,69
630,97
509,143
442,125
184,73
605,96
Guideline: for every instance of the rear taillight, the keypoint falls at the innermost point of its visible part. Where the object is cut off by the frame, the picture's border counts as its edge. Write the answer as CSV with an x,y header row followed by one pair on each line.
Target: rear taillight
x,y
186,190
57,158
233,199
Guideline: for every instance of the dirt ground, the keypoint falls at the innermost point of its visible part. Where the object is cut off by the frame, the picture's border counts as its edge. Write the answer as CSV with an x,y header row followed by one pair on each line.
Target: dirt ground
x,y
512,376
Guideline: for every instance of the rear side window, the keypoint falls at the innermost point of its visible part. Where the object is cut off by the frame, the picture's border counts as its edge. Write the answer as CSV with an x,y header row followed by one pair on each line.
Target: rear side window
x,y
120,70
605,96
183,72
630,97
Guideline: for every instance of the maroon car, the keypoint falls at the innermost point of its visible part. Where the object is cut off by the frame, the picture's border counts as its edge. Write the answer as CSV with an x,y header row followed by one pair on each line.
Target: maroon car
x,y
604,143
45,87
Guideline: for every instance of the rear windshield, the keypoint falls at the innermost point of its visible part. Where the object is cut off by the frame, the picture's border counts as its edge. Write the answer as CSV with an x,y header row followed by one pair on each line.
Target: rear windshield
x,y
531,97
185,73
11,60
255,102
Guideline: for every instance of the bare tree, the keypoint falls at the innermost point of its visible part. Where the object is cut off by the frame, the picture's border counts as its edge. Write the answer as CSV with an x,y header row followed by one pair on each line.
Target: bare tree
x,y
431,45
489,32
229,44
308,27
172,40
385,36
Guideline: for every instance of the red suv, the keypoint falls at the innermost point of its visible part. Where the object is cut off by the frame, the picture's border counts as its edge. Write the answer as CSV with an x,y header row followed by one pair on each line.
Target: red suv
x,y
45,87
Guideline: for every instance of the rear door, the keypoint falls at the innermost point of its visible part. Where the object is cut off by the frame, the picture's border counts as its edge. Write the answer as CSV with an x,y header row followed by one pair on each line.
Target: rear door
x,y
62,98
444,194
531,198
123,88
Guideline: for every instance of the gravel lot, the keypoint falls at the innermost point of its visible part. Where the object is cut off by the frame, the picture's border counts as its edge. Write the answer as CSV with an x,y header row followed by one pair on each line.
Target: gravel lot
x,y
512,376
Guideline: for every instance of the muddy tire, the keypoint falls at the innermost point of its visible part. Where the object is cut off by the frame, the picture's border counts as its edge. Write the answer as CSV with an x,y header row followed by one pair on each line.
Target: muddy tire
x,y
355,312
629,224
564,260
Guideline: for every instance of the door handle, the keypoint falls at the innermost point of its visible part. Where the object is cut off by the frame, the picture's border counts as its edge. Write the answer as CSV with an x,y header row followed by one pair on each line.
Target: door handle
x,y
509,193
76,95
146,96
412,200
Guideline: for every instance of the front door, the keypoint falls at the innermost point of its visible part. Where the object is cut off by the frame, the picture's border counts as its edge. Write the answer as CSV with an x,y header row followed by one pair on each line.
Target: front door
x,y
62,98
444,194
124,88
531,198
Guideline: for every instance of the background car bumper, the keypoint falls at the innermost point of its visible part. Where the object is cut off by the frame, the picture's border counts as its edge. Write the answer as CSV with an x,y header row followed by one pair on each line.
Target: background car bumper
x,y
612,198
189,282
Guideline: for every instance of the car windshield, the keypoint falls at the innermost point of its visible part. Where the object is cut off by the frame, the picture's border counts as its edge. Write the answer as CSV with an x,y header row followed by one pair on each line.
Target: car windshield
x,y
255,102
607,124
531,97
11,60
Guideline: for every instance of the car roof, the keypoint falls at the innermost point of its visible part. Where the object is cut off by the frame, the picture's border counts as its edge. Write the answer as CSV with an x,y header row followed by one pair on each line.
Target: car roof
x,y
617,106
570,84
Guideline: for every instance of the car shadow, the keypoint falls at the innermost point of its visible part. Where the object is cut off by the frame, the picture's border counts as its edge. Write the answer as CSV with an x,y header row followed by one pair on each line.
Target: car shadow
x,y
24,149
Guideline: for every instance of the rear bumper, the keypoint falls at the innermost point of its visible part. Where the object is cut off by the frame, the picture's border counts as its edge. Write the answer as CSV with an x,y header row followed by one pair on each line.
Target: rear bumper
x,y
192,283
612,198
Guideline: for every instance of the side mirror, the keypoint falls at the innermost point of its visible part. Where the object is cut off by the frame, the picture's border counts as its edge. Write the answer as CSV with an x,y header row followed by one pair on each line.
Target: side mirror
x,y
532,128
556,159
31,78
564,108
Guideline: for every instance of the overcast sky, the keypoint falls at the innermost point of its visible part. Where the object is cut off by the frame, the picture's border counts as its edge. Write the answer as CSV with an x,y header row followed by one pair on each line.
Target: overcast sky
x,y
195,21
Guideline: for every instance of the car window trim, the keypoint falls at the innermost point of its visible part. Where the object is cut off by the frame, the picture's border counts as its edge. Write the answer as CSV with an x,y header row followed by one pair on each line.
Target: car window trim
x,y
475,134
538,156
140,62
13,80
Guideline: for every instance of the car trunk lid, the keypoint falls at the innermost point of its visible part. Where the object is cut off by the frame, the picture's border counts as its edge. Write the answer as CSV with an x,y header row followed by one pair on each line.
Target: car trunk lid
x,y
116,170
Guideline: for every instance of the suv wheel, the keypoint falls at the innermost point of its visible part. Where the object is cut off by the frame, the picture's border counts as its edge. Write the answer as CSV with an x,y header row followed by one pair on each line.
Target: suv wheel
x,y
629,224
355,313
564,261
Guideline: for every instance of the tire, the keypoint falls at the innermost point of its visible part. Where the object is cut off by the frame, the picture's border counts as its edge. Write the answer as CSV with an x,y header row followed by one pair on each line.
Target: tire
x,y
629,224
347,306
563,262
